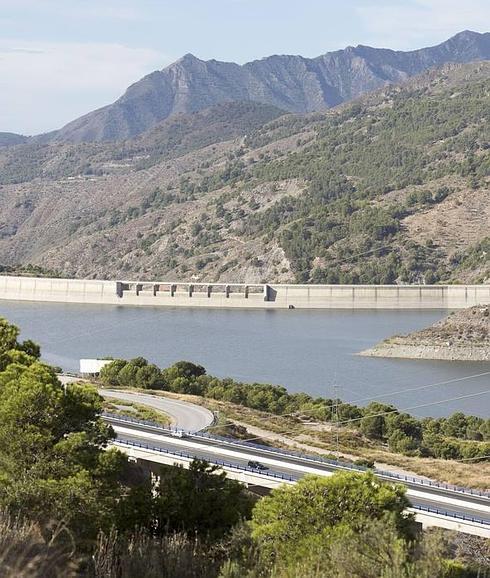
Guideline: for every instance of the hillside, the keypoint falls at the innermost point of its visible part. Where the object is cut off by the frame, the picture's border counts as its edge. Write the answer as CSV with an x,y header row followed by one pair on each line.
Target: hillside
x,y
170,138
291,83
393,187
10,138
463,336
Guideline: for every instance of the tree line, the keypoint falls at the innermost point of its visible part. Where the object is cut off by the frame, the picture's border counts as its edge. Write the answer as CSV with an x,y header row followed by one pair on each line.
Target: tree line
x,y
455,437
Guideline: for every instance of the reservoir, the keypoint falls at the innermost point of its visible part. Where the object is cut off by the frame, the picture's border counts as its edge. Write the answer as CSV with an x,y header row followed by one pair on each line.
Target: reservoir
x,y
304,350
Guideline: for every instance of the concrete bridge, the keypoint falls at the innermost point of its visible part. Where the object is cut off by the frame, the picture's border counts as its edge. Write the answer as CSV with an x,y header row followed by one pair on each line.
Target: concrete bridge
x,y
243,295
434,504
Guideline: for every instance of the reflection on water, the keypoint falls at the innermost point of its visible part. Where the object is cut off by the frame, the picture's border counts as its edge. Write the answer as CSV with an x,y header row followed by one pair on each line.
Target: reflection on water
x,y
303,350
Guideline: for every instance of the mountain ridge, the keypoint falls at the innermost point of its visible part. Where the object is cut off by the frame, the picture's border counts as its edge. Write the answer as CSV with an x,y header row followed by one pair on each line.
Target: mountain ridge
x,y
289,82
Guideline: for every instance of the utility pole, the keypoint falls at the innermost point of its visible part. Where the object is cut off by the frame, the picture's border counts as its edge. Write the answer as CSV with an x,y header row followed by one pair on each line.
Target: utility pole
x,y
336,389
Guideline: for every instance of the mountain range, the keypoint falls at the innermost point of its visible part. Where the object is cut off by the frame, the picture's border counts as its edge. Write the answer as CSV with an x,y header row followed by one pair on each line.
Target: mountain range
x,y
290,83
392,187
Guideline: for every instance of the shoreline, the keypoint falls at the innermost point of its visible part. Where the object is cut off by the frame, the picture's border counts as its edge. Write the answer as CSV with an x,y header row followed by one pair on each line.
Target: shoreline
x,y
430,352
461,336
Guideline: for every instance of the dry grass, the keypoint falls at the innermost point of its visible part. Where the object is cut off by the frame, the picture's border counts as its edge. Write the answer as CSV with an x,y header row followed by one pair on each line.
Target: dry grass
x,y
26,551
136,410
141,555
471,475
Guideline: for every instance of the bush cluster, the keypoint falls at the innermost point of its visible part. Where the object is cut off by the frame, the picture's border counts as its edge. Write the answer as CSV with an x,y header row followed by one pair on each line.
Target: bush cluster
x,y
456,437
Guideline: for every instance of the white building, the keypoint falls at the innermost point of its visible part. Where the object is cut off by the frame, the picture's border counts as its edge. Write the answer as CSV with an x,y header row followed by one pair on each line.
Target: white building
x,y
92,366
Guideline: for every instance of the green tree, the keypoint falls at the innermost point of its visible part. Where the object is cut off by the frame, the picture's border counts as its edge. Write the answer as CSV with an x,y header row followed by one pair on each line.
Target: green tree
x,y
473,426
401,443
127,375
199,500
8,335
405,423
374,423
184,369
455,425
53,461
150,377
138,362
485,430
30,348
9,343
404,432
293,519
377,551
109,374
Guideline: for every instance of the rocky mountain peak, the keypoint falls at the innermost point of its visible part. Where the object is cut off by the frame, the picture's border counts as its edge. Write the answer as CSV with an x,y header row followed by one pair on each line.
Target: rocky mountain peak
x,y
289,82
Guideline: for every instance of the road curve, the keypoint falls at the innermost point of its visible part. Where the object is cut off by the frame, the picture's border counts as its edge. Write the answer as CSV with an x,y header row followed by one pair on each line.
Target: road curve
x,y
187,416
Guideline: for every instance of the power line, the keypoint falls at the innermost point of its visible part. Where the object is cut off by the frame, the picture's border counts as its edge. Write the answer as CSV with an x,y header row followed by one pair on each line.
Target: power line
x,y
389,412
418,406
473,459
389,248
335,405
421,387
355,256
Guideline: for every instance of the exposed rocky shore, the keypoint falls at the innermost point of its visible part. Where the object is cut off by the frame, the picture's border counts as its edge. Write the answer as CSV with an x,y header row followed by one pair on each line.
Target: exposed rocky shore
x,y
462,336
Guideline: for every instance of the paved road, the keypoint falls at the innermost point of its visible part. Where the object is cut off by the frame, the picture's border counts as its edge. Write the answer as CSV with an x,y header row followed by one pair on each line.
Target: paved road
x,y
287,466
184,415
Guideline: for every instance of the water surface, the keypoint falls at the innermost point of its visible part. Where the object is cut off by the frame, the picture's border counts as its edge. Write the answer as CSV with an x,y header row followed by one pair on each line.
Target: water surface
x,y
303,350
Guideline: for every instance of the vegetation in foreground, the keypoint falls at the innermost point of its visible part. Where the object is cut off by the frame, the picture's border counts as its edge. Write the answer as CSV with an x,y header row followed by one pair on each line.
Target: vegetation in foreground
x,y
456,437
72,506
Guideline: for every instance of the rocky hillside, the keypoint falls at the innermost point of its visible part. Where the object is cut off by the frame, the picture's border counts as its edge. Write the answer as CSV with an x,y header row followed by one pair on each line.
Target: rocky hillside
x,y
392,188
463,336
291,83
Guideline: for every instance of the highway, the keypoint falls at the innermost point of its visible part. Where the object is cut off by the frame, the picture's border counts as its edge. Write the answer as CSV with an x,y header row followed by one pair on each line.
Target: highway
x,y
282,466
291,467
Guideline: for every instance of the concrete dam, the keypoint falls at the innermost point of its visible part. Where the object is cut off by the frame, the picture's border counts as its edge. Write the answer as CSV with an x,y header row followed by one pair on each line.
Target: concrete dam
x,y
242,295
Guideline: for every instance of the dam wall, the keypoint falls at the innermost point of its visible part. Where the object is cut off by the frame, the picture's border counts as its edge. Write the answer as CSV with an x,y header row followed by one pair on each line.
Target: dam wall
x,y
263,296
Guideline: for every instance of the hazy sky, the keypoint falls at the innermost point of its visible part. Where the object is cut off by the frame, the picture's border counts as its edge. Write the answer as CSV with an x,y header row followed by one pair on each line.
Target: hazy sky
x,y
62,58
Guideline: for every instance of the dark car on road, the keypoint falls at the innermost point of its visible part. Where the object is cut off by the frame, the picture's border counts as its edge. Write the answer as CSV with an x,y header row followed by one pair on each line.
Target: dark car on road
x,y
257,465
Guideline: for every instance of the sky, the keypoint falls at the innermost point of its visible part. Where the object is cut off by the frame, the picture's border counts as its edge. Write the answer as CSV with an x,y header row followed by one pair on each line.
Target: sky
x,y
60,59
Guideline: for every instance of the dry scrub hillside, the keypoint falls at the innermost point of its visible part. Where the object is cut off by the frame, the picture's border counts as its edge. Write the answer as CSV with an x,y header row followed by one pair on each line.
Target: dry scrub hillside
x,y
393,188
468,326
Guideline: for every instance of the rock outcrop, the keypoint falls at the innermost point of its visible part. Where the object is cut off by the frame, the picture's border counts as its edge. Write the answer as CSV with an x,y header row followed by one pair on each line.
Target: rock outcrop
x,y
462,336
